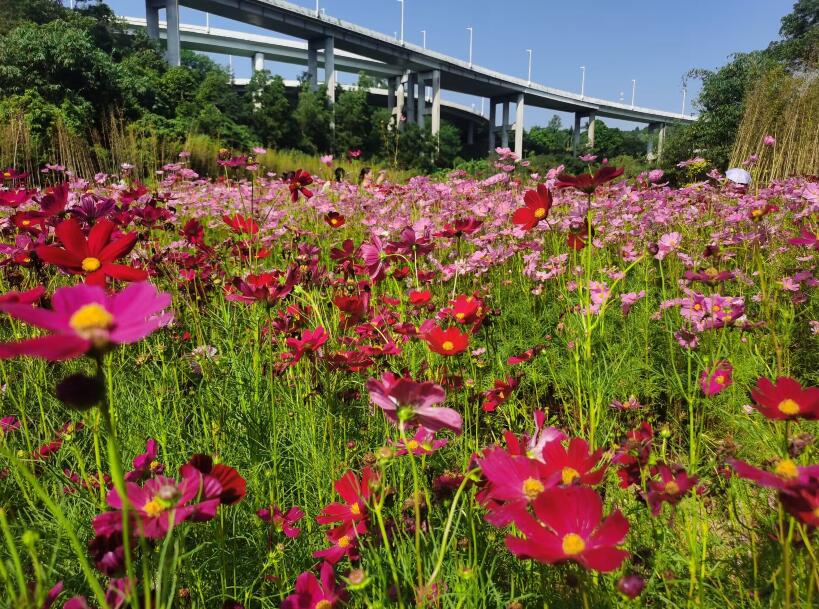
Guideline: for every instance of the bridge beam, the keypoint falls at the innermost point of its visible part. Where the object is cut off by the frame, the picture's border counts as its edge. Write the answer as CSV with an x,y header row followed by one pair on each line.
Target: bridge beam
x,y
174,52
519,108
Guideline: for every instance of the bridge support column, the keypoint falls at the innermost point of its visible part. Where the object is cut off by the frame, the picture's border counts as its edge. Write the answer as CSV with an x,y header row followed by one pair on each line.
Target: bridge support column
x,y
400,100
422,101
258,62
576,133
411,80
505,124
590,130
470,133
661,141
172,17
152,20
330,68
436,102
519,108
652,127
492,105
312,63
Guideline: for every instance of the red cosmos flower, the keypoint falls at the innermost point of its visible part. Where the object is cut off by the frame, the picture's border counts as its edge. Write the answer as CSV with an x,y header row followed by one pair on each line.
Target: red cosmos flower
x,y
672,486
786,475
241,225
568,525
711,276
310,342
468,309
93,257
354,494
574,464
807,238
281,521
501,392
586,182
405,401
514,481
23,298
419,298
299,183
269,288
451,341
334,219
316,593
634,454
54,200
786,399
758,213
538,203
343,542
803,502
229,486
461,226
12,174
15,198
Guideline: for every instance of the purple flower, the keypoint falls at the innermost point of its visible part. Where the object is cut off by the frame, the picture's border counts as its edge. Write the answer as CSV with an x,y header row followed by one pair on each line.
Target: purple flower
x,y
403,399
145,465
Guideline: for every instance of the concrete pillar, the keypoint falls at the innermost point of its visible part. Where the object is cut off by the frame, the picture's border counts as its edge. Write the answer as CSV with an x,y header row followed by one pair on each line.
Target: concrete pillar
x,y
411,80
519,126
258,62
152,20
392,87
400,101
470,133
650,144
492,104
576,133
330,68
661,141
590,131
312,64
172,17
422,100
505,124
436,102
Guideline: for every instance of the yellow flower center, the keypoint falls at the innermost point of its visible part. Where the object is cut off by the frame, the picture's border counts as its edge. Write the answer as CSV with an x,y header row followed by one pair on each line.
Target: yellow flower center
x,y
756,213
569,475
501,395
89,265
540,212
459,315
672,488
323,604
154,465
716,309
90,319
816,512
719,380
448,345
25,222
788,407
787,469
343,541
532,488
573,544
697,307
711,271
354,509
153,508
412,444
334,221
6,174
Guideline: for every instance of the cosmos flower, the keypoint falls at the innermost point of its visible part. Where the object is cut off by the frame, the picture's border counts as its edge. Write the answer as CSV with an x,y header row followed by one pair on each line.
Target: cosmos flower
x,y
281,521
422,443
537,205
84,318
568,526
334,219
574,463
242,225
451,341
354,494
586,182
807,238
146,465
299,183
717,379
500,393
785,399
316,592
405,400
219,481
671,487
93,256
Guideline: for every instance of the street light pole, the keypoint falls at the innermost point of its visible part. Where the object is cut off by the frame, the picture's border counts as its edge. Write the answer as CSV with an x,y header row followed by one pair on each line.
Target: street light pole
x,y
470,46
682,111
318,12
530,65
633,92
402,20
424,38
582,81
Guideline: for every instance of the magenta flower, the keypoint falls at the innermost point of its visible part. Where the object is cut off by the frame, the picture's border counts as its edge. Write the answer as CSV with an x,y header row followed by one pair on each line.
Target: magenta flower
x,y
807,238
715,381
375,258
316,592
403,399
8,424
282,521
422,443
84,318
145,465
768,140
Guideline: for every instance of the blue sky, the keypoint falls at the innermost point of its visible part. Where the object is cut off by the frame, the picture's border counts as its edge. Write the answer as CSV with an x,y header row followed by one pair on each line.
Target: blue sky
x,y
654,42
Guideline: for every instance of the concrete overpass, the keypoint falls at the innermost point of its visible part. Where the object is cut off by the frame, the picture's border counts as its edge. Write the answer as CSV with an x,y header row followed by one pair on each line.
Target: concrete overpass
x,y
409,67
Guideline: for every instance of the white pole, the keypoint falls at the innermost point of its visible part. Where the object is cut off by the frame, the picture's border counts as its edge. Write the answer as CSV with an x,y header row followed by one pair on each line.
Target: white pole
x,y
318,12
633,92
207,22
470,46
682,112
402,20
424,38
482,100
530,65
582,81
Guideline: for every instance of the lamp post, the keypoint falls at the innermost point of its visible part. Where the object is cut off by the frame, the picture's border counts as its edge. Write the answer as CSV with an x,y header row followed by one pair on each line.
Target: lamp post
x,y
682,111
633,92
318,12
402,20
470,45
424,38
530,65
582,81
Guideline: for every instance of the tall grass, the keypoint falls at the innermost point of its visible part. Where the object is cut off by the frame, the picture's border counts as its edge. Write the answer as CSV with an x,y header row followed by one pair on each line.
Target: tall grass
x,y
786,107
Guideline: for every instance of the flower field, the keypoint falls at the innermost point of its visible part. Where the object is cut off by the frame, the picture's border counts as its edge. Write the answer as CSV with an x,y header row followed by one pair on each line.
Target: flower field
x,y
531,390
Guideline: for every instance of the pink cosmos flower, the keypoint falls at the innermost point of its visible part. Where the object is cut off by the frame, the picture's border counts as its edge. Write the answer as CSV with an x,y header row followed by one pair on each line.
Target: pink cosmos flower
x,y
145,465
326,159
715,381
422,443
316,592
403,399
84,318
807,238
281,521
768,140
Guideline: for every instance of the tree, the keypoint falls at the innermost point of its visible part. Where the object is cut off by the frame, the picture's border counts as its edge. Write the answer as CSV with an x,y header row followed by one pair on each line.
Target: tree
x,y
312,115
353,117
271,114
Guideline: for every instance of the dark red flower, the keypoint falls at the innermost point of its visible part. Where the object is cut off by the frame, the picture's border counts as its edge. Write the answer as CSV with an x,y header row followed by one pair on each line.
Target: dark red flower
x,y
334,219
241,225
785,399
587,183
299,183
230,487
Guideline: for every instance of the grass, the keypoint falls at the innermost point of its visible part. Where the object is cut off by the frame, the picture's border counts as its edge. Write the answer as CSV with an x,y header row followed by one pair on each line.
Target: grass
x,y
291,435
